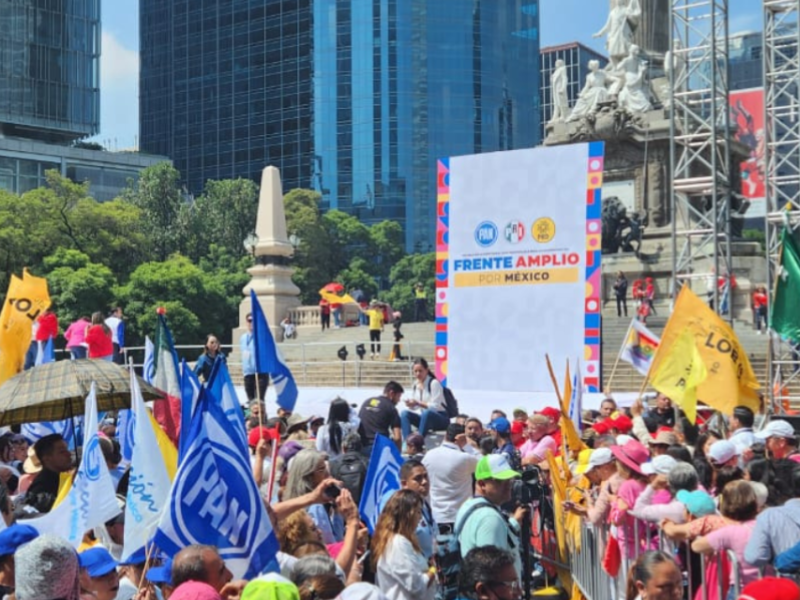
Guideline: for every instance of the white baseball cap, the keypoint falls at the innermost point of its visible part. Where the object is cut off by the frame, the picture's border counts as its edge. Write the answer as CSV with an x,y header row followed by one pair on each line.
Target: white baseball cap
x,y
623,439
777,428
599,457
722,451
660,465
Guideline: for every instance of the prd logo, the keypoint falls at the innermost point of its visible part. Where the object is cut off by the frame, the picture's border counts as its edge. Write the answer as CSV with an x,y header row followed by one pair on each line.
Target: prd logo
x,y
486,234
514,232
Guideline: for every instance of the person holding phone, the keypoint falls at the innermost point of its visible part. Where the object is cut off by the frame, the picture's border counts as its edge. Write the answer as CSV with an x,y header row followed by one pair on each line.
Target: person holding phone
x,y
428,395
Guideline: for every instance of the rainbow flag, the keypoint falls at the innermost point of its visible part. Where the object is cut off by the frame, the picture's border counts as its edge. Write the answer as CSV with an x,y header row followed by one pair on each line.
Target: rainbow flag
x,y
639,347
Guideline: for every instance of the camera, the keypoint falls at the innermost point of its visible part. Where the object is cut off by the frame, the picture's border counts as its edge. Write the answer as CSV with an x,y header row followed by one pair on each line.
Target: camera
x,y
529,488
333,491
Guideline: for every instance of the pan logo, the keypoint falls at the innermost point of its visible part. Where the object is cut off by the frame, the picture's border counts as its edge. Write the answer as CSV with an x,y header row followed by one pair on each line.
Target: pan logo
x,y
486,234
514,232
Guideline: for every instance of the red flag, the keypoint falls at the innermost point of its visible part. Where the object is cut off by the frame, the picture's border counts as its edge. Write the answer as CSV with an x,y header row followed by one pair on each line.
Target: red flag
x,y
168,411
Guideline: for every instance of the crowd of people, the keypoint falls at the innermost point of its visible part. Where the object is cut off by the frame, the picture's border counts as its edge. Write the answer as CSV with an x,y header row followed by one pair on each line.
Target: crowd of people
x,y
99,336
453,529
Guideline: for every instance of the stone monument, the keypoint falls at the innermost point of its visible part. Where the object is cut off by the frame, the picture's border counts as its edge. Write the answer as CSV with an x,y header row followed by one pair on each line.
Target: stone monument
x,y
626,105
271,275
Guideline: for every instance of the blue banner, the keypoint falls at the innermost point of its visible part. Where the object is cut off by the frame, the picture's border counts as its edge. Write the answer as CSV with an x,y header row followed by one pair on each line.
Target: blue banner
x,y
214,499
269,359
383,475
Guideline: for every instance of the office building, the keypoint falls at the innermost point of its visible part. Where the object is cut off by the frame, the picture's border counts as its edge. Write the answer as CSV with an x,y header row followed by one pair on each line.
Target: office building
x,y
50,98
745,60
576,58
353,98
50,69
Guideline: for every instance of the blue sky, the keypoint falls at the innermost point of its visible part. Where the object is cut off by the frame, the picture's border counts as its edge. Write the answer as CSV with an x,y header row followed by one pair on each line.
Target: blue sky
x,y
561,21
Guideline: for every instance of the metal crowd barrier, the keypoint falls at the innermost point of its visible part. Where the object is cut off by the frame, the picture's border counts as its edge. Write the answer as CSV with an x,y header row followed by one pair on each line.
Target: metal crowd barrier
x,y
586,564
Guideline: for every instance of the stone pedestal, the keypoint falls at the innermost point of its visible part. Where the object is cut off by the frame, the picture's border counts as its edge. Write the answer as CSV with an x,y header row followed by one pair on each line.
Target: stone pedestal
x,y
271,275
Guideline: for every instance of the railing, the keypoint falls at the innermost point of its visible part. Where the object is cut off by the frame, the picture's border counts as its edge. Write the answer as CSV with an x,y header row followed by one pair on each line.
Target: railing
x,y
305,357
310,316
584,560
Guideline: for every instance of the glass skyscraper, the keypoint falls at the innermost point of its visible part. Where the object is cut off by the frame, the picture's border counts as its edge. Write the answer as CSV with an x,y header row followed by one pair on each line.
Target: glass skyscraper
x,y
354,98
50,69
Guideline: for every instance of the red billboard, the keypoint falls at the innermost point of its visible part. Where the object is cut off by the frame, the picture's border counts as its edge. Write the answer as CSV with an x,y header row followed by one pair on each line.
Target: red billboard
x,y
747,117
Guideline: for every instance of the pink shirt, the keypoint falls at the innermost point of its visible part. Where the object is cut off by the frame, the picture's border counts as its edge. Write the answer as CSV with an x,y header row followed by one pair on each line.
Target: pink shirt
x,y
630,529
538,449
735,537
598,512
76,333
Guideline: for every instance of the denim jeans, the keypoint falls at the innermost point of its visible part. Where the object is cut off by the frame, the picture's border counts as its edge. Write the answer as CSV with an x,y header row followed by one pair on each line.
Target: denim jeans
x,y
429,420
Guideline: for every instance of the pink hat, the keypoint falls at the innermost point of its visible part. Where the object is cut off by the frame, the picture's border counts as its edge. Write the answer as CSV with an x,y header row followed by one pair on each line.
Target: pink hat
x,y
195,590
633,455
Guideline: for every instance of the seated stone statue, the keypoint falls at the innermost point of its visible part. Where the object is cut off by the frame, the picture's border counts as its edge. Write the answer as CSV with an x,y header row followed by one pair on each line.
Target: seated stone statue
x,y
592,94
634,92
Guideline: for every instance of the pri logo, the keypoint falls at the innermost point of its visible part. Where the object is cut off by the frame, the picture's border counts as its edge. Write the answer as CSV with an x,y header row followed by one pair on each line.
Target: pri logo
x,y
514,232
486,234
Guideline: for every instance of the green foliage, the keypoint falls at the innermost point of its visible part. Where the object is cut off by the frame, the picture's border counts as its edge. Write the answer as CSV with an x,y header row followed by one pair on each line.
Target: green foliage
x,y
756,235
194,299
165,215
410,270
77,285
155,246
227,212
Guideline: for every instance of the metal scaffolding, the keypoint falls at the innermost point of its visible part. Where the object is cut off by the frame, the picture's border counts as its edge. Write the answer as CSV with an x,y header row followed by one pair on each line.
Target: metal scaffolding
x,y
700,140
782,165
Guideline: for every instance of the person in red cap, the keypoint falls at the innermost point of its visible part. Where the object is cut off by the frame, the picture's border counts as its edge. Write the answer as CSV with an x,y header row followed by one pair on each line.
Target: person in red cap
x,y
554,431
260,442
771,588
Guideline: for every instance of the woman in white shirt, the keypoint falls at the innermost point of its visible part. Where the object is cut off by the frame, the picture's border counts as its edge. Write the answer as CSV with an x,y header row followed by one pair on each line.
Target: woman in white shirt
x,y
428,395
401,570
340,423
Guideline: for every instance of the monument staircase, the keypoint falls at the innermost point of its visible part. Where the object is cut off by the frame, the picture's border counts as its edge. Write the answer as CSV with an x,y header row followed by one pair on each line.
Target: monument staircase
x,y
312,356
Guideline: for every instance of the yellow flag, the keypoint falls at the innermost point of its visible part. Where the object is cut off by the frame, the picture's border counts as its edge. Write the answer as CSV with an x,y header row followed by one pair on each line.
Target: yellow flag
x,y
731,381
565,397
168,451
680,373
336,299
26,299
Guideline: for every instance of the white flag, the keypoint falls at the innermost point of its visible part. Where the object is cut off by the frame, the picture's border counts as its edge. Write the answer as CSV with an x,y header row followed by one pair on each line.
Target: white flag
x,y
91,501
148,490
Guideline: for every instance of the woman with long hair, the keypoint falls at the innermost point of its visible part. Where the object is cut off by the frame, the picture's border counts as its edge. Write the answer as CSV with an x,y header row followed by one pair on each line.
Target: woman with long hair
x,y
428,395
204,364
309,469
654,576
98,339
340,423
401,570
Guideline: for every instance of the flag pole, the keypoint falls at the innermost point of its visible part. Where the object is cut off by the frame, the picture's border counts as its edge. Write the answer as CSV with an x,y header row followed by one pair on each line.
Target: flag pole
x,y
607,389
274,466
148,556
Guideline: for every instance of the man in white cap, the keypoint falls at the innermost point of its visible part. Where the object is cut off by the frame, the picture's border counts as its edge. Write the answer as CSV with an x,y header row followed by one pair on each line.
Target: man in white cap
x,y
723,453
781,440
481,521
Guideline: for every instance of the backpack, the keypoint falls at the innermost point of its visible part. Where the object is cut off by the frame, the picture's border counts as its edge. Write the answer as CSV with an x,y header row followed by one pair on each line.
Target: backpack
x,y
351,469
450,402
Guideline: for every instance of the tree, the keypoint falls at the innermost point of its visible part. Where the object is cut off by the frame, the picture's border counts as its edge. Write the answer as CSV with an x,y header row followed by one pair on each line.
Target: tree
x,y
312,263
228,210
164,217
357,276
197,302
411,269
77,285
387,247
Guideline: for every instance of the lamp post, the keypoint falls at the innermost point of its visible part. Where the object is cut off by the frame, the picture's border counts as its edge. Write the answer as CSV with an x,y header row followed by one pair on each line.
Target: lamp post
x,y
250,243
